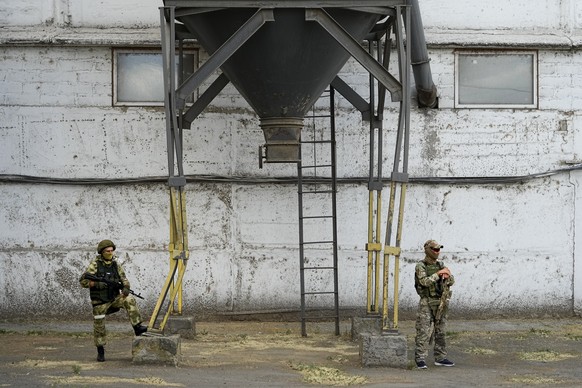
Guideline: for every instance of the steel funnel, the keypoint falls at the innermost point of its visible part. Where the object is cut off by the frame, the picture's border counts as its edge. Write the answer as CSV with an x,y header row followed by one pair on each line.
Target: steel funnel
x,y
283,68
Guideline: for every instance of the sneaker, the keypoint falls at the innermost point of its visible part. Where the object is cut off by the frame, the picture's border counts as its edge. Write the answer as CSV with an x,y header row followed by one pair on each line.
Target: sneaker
x,y
444,362
421,364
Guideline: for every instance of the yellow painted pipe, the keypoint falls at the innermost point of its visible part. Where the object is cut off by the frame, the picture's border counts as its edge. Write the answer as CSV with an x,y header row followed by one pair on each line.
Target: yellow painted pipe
x,y
385,289
385,282
370,308
184,248
173,297
165,288
178,249
398,242
379,249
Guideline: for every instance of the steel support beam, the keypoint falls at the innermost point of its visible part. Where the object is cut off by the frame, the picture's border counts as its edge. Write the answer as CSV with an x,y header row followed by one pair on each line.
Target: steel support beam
x,y
221,55
204,100
356,51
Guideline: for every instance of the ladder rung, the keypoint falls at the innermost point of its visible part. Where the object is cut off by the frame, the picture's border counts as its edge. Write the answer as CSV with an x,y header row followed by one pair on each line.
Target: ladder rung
x,y
316,268
317,116
311,217
317,242
321,317
319,293
316,141
317,192
316,166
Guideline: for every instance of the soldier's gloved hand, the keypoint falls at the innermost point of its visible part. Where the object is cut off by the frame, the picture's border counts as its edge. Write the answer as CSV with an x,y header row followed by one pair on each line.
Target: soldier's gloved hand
x,y
97,285
125,291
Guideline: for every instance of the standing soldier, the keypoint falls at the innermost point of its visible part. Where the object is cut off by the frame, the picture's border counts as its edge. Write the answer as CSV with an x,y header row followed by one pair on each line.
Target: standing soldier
x,y
431,280
109,296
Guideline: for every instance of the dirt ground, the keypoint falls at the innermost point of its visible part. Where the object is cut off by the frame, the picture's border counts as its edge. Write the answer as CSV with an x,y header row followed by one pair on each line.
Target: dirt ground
x,y
513,353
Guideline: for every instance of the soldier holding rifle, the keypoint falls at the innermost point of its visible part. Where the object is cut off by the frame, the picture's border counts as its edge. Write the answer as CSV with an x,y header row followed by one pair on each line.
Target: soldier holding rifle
x,y
109,291
432,281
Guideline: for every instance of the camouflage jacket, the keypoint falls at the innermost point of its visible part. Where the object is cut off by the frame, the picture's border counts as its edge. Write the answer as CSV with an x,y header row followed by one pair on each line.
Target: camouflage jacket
x,y
426,281
100,292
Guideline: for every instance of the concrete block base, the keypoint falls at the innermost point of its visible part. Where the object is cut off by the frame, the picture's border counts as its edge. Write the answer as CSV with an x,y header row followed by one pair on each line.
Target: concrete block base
x,y
185,327
156,350
384,350
369,325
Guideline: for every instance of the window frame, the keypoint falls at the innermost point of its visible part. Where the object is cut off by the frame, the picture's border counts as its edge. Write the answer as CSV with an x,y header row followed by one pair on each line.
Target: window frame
x,y
126,50
535,79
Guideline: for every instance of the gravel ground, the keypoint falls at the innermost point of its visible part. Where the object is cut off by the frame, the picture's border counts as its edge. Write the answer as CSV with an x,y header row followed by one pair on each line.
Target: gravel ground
x,y
509,353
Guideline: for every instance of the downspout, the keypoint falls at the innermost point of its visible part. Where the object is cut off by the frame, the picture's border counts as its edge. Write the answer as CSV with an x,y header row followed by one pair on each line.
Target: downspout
x,y
425,87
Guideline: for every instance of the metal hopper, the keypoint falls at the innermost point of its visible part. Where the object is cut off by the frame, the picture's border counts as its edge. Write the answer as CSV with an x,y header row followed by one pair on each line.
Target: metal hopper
x,y
284,67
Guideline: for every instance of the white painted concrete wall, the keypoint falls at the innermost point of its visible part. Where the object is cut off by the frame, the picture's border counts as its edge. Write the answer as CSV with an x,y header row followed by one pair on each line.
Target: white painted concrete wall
x,y
513,247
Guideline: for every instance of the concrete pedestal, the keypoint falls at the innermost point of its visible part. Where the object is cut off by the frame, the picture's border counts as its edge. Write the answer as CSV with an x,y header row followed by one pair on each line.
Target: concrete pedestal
x,y
383,350
185,327
365,325
156,350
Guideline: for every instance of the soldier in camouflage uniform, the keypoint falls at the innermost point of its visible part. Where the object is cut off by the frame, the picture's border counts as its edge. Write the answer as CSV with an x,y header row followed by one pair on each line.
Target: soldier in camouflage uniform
x,y
429,279
106,298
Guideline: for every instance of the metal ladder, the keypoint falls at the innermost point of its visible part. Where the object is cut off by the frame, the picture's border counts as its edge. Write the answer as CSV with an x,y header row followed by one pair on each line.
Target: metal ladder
x,y
318,217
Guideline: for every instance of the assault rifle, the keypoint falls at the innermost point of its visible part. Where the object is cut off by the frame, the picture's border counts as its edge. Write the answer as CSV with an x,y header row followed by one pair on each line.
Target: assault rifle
x,y
443,306
118,285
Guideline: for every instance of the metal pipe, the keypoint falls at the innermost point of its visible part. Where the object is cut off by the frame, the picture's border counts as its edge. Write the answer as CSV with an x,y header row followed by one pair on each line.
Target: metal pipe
x,y
334,207
371,303
425,87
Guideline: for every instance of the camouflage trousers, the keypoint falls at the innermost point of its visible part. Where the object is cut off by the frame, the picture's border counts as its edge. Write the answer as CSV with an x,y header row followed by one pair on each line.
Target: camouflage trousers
x,y
424,324
100,311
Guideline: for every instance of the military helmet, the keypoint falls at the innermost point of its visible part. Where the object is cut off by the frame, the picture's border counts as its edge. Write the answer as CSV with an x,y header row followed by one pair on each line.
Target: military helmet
x,y
105,244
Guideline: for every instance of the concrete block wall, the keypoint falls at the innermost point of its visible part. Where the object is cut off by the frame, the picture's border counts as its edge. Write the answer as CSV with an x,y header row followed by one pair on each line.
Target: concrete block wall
x,y
512,246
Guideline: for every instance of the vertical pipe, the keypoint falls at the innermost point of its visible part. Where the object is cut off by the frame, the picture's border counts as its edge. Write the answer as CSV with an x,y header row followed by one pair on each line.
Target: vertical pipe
x,y
389,222
168,89
406,98
385,307
301,245
376,117
184,241
397,258
370,289
425,87
334,209
406,108
171,56
372,305
402,70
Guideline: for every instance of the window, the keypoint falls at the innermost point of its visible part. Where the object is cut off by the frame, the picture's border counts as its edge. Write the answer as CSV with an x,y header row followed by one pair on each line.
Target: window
x,y
138,76
496,79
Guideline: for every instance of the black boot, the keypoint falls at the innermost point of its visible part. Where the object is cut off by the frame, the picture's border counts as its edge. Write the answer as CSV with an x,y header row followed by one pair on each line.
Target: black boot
x,y
139,329
100,354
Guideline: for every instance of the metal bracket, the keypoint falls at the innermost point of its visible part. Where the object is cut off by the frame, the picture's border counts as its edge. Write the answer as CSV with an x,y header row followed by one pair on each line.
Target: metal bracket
x,y
377,247
395,251
182,256
399,177
375,185
177,181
